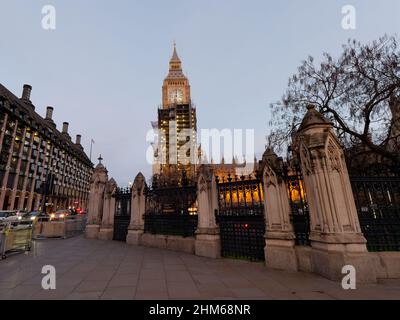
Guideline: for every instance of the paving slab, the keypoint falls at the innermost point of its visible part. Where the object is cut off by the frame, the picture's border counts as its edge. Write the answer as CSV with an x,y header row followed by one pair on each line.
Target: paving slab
x,y
91,269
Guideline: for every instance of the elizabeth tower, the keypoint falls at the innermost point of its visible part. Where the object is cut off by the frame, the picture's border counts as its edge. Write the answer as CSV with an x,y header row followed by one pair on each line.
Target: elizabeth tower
x,y
177,125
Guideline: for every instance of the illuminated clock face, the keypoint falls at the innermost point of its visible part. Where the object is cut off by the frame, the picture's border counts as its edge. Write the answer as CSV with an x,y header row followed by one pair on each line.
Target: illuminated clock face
x,y
176,96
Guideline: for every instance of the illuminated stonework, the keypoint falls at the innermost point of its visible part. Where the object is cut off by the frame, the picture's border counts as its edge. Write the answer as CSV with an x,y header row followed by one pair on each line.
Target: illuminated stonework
x,y
176,88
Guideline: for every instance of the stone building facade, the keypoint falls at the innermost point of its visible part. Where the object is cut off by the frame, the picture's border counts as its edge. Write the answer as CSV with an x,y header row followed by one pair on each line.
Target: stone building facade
x,y
40,167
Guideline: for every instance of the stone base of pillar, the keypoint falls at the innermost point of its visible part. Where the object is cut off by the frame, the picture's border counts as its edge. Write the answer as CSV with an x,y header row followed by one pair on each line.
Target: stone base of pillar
x,y
208,245
387,264
133,237
280,254
303,254
106,234
328,261
92,231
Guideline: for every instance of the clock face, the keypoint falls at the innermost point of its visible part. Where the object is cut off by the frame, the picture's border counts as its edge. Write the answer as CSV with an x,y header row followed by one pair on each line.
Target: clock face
x,y
176,96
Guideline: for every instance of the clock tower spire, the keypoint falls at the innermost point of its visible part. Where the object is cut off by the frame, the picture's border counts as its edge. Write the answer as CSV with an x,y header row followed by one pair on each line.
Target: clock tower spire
x,y
176,88
175,63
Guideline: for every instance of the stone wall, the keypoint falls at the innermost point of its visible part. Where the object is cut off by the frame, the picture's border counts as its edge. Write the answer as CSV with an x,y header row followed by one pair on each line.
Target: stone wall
x,y
383,265
174,243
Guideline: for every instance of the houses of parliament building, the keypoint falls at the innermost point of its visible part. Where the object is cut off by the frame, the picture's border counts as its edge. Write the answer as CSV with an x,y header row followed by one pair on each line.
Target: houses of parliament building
x,y
41,168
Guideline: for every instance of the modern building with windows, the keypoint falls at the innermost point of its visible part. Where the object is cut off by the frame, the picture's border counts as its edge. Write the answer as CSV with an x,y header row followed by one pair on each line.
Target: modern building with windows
x,y
40,167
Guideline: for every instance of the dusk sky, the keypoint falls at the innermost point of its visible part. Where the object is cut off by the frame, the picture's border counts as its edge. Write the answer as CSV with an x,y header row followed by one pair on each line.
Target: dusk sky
x,y
102,68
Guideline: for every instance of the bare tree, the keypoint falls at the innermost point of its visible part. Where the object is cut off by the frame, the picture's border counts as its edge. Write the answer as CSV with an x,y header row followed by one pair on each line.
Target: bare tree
x,y
358,92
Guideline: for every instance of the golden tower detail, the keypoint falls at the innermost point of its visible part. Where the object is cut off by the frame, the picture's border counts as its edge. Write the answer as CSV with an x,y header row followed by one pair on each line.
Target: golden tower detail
x,y
176,88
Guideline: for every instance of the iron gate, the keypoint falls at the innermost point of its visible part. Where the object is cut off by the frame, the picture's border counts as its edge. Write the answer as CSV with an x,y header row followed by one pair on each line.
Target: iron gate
x,y
377,198
241,217
300,215
171,209
122,216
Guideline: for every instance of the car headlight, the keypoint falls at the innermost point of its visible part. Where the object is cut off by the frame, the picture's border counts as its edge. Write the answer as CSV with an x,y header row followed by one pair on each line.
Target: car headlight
x,y
52,216
19,218
62,216
33,218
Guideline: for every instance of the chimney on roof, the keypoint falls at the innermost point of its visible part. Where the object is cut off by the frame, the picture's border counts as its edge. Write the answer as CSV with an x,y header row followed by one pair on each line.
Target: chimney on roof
x,y
49,113
26,93
78,139
65,127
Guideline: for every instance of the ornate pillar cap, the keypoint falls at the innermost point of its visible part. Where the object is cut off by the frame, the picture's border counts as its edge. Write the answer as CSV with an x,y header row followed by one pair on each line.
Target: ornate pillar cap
x,y
313,118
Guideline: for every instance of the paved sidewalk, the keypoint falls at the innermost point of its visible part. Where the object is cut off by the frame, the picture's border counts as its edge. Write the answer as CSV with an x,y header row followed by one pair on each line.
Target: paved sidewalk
x,y
90,269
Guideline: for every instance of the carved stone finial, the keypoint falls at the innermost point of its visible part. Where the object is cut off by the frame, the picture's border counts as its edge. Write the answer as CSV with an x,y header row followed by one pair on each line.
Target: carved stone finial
x,y
313,117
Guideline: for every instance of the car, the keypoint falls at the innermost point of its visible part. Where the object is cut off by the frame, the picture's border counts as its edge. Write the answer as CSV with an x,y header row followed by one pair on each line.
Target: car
x,y
60,214
4,215
21,213
10,216
80,211
36,216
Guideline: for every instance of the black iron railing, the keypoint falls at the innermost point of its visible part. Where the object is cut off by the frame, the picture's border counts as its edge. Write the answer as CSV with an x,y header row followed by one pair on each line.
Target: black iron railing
x,y
171,209
377,201
122,213
123,202
241,217
173,224
300,216
240,196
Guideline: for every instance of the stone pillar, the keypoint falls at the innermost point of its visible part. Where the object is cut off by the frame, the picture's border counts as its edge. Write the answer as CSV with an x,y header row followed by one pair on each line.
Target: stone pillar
x,y
107,224
4,183
279,237
2,186
17,173
96,198
208,242
3,130
32,188
336,236
24,191
37,203
138,207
